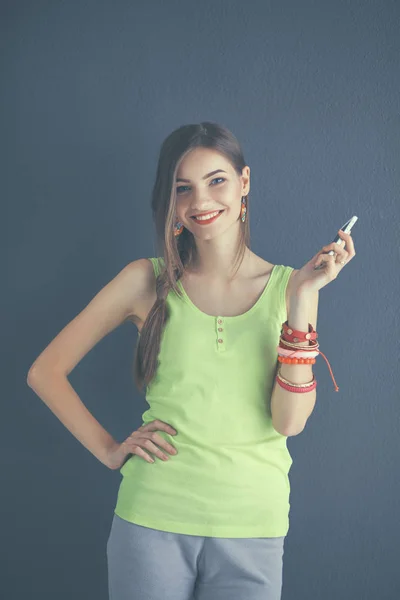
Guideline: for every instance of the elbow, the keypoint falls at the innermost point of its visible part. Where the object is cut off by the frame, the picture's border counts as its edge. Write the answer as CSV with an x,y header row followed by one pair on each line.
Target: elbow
x,y
39,372
289,431
32,375
293,432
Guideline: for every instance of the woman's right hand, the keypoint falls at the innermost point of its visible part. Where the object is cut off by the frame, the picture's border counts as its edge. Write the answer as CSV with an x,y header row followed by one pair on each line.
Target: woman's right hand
x,y
144,437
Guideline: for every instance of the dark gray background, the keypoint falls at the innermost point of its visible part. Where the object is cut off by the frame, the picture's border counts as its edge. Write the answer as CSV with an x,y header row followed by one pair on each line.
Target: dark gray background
x,y
89,90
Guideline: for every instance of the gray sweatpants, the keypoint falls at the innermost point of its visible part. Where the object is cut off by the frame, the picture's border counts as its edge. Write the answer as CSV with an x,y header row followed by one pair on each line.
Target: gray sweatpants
x,y
148,564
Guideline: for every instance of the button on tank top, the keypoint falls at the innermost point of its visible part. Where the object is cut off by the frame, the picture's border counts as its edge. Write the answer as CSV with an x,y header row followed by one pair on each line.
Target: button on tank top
x,y
213,384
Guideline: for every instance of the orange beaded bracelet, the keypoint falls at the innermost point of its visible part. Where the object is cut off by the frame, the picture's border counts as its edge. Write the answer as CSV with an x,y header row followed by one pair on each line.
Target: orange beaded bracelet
x,y
290,343
296,361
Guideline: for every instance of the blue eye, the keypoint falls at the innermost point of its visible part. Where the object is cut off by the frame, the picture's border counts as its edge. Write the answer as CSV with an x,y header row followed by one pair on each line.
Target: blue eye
x,y
185,186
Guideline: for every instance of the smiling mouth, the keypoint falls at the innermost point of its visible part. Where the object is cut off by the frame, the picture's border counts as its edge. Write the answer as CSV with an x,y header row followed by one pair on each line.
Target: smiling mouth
x,y
205,219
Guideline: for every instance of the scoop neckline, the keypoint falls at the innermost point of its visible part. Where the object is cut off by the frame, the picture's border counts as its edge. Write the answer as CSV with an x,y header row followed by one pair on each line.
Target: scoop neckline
x,y
235,317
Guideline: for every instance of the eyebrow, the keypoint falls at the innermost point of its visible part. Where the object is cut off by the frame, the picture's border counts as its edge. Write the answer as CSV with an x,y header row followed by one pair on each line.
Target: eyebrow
x,y
205,176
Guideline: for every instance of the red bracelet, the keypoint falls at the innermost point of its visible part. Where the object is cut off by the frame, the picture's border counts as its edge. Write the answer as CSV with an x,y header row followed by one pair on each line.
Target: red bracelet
x,y
295,335
298,390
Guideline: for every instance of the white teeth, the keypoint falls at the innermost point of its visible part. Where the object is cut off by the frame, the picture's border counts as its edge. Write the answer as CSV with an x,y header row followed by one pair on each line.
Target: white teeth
x,y
207,217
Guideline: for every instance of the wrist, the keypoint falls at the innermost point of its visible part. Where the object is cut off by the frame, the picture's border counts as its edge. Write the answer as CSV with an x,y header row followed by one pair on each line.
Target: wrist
x,y
301,294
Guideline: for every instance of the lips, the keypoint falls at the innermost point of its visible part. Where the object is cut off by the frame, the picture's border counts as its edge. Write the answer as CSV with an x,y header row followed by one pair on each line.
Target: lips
x,y
207,221
210,212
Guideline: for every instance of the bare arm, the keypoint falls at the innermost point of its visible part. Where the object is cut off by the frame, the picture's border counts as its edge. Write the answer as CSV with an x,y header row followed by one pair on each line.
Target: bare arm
x,y
290,410
59,395
48,376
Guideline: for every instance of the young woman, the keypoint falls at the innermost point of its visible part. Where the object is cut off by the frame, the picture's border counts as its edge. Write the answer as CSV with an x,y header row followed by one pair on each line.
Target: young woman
x,y
225,349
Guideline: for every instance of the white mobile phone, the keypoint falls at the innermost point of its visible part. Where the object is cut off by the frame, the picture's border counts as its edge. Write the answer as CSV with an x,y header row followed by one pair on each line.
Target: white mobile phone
x,y
347,227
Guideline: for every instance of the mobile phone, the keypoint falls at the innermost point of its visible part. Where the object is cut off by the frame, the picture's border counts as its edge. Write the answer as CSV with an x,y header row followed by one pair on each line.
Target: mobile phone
x,y
347,227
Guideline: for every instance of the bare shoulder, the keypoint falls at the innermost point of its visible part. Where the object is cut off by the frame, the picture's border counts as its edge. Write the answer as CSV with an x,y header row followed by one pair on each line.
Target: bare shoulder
x,y
263,266
132,286
141,290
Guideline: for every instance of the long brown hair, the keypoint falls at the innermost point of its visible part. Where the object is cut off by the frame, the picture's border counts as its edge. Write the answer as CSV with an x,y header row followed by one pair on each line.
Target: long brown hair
x,y
179,252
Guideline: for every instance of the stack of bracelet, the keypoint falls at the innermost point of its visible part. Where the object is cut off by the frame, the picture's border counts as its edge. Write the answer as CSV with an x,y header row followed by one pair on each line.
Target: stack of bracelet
x,y
291,352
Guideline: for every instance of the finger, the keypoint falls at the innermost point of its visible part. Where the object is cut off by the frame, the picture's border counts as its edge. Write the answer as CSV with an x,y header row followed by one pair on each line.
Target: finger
x,y
138,444
318,262
156,438
333,246
324,259
135,449
341,253
338,252
158,425
349,242
150,445
140,452
149,439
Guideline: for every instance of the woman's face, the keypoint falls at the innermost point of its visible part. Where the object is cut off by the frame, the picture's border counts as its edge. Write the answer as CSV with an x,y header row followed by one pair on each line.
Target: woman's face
x,y
221,191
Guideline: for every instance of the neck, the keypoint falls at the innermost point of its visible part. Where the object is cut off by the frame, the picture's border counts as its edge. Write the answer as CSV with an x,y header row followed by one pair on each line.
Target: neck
x,y
217,263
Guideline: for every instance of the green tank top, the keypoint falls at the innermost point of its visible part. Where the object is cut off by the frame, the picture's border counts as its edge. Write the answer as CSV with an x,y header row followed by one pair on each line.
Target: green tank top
x,y
213,385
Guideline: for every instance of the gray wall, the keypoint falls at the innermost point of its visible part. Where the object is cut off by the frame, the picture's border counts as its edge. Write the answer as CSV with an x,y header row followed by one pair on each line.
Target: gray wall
x,y
88,92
